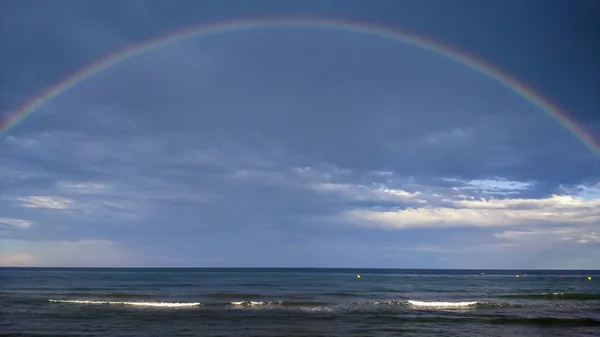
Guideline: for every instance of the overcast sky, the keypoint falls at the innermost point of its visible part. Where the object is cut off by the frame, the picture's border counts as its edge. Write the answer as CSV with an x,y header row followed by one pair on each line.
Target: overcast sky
x,y
300,146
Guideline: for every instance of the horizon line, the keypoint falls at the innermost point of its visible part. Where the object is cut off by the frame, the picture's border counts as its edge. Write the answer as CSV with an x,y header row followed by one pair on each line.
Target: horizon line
x,y
334,268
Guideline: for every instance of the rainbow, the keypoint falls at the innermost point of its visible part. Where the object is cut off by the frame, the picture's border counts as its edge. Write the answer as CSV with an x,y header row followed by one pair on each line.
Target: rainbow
x,y
61,86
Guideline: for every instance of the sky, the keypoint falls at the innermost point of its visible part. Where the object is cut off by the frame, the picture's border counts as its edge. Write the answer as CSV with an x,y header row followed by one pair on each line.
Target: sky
x,y
300,146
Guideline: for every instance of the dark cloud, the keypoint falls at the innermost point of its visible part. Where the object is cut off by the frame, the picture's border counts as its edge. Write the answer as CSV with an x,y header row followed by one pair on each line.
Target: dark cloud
x,y
240,145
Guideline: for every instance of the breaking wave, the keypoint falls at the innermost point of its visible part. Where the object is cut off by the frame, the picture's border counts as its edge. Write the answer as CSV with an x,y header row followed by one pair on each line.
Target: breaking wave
x,y
368,305
278,304
302,305
137,304
255,303
442,304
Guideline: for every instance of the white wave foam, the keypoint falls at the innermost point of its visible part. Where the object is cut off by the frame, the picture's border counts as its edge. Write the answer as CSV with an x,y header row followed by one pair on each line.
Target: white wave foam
x,y
247,303
138,304
388,303
254,303
317,309
441,304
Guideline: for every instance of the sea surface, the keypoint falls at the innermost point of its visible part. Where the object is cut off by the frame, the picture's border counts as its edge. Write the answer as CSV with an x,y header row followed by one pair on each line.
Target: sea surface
x,y
297,302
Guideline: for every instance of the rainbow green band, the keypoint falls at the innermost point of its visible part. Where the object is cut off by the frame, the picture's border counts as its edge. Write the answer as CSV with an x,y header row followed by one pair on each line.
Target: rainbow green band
x,y
528,93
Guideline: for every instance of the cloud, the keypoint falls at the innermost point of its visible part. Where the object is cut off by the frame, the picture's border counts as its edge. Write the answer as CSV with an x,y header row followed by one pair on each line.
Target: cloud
x,y
383,173
486,213
497,184
175,149
577,235
49,202
358,192
586,191
15,223
516,235
462,203
585,238
94,188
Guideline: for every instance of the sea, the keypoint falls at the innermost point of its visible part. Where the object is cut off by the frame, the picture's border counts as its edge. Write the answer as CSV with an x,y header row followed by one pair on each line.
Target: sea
x,y
298,302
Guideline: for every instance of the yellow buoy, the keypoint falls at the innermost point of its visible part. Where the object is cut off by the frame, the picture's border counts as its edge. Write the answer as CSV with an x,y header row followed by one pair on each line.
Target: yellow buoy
x,y
357,276
517,275
589,278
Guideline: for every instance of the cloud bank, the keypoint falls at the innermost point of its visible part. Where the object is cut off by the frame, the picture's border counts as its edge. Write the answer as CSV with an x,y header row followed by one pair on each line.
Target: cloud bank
x,y
282,147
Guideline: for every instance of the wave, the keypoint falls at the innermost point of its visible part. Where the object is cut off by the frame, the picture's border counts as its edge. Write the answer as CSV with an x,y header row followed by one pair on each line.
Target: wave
x,y
442,304
254,303
317,305
304,305
137,304
556,296
353,306
278,304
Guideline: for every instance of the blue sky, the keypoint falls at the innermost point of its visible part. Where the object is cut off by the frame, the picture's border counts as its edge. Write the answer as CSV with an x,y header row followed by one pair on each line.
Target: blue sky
x,y
300,146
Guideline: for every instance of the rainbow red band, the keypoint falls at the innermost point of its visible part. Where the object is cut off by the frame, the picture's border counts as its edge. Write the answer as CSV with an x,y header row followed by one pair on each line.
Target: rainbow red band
x,y
519,88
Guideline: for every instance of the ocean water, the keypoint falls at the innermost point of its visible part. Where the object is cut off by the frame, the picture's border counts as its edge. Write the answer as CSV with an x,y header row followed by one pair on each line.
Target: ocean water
x,y
297,302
